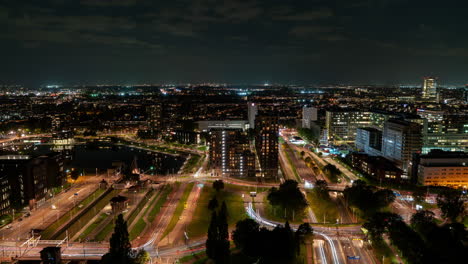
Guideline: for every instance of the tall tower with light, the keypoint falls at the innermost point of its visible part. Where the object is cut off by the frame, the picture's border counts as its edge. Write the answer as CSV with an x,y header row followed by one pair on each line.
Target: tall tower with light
x,y
429,90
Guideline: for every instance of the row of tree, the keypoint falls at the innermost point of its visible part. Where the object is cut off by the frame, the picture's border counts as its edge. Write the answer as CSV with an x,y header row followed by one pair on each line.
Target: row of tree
x,y
424,242
367,198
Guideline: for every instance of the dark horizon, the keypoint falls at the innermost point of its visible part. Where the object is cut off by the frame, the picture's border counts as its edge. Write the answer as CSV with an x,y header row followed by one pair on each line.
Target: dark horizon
x,y
305,42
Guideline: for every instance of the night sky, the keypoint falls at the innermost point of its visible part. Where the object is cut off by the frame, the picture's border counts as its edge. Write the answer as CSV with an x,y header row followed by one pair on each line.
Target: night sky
x,y
279,41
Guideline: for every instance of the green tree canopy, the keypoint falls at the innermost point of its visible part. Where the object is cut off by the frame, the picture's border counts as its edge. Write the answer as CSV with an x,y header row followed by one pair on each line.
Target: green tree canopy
x,y
288,196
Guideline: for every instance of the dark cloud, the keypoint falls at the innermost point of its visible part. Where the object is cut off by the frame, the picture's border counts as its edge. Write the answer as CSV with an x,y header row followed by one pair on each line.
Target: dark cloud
x,y
308,15
225,34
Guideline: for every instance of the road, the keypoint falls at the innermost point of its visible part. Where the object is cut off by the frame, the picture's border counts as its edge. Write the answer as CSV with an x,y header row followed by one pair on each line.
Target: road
x,y
44,215
334,245
337,243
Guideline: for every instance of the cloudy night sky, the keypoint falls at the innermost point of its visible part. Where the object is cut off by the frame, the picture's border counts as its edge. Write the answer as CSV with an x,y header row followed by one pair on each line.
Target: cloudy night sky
x,y
302,42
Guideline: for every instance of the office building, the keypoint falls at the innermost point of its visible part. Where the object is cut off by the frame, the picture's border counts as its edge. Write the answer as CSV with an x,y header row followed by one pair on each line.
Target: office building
x,y
400,140
309,114
376,167
369,140
443,168
429,90
342,124
266,145
444,131
379,117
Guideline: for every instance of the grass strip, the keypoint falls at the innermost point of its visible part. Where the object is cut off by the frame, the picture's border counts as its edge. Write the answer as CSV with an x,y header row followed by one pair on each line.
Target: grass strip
x,y
105,231
49,231
288,157
92,226
137,229
201,218
86,217
190,166
323,208
179,209
156,208
140,206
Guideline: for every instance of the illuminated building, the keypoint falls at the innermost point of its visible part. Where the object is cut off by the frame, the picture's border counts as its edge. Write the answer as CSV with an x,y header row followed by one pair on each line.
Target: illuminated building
x,y
5,192
444,131
31,178
266,144
205,126
369,140
252,111
309,114
443,168
378,118
154,119
429,90
400,140
342,124
376,167
230,154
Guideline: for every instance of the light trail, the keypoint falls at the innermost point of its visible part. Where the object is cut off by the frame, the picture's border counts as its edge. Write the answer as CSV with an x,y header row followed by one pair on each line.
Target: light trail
x,y
251,212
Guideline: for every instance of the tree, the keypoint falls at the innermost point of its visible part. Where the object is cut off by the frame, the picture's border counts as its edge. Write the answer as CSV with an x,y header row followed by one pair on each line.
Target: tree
x,y
383,197
309,134
379,222
120,247
142,257
74,174
218,185
288,196
451,204
332,172
322,188
303,233
422,219
368,198
245,236
419,195
212,236
222,244
278,246
213,204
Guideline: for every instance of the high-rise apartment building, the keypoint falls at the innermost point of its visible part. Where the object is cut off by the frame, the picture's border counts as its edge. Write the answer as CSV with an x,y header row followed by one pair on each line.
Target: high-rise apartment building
x,y
154,118
342,124
309,114
266,144
252,111
230,154
400,140
429,90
